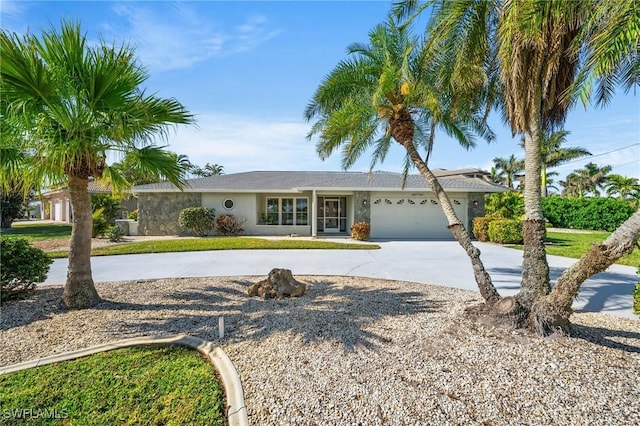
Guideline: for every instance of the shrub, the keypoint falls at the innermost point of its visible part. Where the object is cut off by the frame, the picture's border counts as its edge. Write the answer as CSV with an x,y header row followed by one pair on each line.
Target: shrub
x,y
481,227
598,214
229,225
199,220
360,231
505,231
100,224
115,233
22,266
133,215
108,205
636,297
508,204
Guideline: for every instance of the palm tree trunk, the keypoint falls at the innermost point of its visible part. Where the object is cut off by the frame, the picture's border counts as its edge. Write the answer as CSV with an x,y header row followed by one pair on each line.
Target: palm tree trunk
x,y
535,269
552,313
483,279
79,290
543,184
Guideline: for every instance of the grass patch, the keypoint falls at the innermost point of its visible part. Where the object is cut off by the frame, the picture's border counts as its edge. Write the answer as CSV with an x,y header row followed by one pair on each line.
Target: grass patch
x,y
38,231
217,243
170,385
575,245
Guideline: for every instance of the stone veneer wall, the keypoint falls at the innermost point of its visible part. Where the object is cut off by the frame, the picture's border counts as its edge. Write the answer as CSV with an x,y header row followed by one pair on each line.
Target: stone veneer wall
x,y
158,212
474,211
362,206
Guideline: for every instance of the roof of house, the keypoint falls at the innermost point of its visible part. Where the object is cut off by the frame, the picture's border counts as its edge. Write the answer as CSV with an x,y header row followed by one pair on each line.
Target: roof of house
x,y
93,187
461,180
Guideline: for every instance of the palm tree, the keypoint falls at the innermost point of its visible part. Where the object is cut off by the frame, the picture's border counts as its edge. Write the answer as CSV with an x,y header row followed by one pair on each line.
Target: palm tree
x,y
75,103
585,181
548,52
208,170
622,186
497,175
552,154
511,169
381,94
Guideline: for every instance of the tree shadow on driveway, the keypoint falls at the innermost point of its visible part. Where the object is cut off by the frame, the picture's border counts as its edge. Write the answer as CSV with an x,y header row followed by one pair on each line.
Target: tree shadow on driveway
x,y
606,288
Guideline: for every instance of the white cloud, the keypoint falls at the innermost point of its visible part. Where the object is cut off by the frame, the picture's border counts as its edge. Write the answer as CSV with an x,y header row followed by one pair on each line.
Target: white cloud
x,y
242,143
11,9
183,37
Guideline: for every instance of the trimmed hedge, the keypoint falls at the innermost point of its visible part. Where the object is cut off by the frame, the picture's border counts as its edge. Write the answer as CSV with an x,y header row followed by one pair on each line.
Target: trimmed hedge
x,y
505,231
597,214
481,227
199,220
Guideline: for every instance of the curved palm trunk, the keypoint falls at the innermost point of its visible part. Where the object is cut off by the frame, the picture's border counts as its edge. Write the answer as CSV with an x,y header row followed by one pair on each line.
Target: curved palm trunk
x,y
486,287
535,269
79,290
552,313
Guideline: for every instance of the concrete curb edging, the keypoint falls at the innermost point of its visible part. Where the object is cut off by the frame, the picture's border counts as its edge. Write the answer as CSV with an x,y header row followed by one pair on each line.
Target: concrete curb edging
x,y
237,412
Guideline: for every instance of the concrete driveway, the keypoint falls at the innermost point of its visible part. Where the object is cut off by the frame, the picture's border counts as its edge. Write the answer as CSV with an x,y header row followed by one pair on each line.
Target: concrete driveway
x,y
430,262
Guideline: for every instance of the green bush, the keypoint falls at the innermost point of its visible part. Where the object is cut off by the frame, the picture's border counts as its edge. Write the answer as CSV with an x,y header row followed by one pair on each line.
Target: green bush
x,y
100,224
360,231
108,204
636,297
598,214
508,204
229,225
133,215
22,266
481,227
505,231
115,234
199,220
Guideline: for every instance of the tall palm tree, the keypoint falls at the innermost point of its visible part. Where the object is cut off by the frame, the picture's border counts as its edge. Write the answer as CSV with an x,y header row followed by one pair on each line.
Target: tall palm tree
x,y
588,180
622,186
497,175
553,154
381,94
74,103
549,53
511,168
208,170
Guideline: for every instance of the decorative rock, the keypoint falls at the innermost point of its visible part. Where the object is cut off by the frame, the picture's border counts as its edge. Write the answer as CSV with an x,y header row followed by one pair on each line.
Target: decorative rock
x,y
280,283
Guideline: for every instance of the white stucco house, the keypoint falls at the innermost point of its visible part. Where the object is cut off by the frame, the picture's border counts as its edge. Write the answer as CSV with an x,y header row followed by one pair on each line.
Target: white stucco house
x,y
309,203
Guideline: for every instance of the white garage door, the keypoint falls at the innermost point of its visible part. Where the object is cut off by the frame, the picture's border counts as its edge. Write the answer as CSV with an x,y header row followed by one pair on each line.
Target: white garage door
x,y
411,217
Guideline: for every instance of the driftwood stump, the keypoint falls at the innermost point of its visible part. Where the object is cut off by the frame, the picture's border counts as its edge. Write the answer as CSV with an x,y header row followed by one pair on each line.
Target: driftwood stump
x,y
280,283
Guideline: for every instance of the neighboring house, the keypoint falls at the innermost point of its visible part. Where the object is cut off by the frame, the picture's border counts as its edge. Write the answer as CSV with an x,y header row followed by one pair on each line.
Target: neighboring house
x,y
319,203
60,204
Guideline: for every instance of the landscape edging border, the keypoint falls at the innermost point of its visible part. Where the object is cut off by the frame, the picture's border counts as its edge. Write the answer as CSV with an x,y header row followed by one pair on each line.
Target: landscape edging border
x,y
237,412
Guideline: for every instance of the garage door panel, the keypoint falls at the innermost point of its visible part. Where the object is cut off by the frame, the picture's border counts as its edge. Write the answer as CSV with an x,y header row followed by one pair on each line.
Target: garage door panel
x,y
394,217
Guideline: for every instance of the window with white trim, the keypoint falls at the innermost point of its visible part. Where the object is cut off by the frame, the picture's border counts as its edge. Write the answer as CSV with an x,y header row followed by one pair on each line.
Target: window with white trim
x,y
287,211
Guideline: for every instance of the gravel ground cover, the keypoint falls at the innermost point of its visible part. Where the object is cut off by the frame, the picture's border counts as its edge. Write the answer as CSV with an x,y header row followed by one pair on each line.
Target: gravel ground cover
x,y
359,351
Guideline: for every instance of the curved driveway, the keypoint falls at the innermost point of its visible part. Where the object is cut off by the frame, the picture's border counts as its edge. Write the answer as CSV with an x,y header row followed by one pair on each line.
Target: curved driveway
x,y
430,262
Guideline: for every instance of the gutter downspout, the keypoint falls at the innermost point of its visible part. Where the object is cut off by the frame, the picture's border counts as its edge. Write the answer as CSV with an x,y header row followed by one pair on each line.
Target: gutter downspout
x,y
314,214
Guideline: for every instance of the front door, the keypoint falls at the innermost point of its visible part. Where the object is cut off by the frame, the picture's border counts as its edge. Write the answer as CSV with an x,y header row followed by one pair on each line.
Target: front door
x,y
331,215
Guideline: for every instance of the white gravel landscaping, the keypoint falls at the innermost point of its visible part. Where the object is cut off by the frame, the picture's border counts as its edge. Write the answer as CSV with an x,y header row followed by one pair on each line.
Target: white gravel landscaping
x,y
359,351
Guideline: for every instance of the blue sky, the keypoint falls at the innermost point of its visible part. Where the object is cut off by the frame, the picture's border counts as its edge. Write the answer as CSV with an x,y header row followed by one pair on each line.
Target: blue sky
x,y
248,69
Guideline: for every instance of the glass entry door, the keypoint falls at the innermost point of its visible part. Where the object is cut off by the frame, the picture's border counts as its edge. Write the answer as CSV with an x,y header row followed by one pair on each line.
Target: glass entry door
x,y
331,215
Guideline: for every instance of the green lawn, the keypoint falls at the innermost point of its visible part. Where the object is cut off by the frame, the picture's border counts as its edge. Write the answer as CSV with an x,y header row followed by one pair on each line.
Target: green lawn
x,y
38,231
217,243
575,245
170,385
